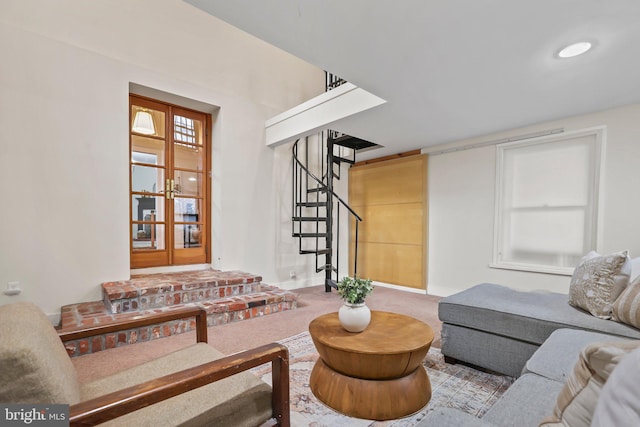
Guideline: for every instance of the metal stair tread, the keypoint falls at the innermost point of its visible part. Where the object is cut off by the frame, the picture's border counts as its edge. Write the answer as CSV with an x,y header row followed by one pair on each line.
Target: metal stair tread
x,y
337,159
317,252
311,204
309,218
309,234
317,190
352,142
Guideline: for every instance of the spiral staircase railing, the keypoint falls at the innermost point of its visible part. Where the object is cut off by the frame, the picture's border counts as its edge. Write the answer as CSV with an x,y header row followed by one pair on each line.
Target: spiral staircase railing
x,y
317,207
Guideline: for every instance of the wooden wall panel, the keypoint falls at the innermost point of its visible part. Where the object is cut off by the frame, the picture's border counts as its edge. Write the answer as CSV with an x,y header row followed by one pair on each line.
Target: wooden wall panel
x,y
391,198
406,218
392,263
393,181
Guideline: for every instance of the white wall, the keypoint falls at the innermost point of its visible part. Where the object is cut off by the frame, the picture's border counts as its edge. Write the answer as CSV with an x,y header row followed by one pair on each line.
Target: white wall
x,y
461,205
64,78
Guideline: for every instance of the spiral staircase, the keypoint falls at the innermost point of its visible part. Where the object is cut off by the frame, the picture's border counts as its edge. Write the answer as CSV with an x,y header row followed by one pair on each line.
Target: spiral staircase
x,y
317,208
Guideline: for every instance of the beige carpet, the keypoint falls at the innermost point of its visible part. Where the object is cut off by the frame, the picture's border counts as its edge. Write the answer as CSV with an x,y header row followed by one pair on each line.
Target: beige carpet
x,y
453,386
312,302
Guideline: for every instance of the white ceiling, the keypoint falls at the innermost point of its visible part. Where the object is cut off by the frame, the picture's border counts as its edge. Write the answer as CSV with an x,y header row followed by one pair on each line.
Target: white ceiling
x,y
454,69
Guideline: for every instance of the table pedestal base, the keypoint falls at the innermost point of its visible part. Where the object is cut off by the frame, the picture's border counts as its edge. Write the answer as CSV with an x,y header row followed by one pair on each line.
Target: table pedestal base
x,y
371,399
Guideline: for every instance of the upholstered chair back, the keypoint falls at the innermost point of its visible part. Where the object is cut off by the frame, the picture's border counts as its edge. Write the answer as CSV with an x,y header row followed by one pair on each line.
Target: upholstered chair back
x,y
34,365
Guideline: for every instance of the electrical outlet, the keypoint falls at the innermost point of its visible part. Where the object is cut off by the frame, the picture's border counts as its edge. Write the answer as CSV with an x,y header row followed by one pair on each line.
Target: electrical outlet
x,y
292,274
13,288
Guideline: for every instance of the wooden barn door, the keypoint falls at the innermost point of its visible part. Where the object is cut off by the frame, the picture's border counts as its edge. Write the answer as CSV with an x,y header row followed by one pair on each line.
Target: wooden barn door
x,y
391,197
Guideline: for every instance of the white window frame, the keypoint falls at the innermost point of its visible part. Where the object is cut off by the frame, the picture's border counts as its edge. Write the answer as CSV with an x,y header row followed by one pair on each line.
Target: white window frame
x,y
596,175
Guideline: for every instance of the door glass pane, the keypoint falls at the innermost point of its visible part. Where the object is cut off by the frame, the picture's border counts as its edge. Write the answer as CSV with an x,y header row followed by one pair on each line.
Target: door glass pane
x,y
187,157
187,130
187,236
147,150
146,121
147,209
147,179
186,209
148,236
188,183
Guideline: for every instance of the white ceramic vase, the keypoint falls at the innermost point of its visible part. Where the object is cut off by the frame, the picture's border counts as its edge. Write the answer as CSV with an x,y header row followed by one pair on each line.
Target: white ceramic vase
x,y
354,317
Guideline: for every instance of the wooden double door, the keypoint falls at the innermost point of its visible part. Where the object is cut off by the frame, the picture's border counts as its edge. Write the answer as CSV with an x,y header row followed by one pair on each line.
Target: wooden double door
x,y
169,184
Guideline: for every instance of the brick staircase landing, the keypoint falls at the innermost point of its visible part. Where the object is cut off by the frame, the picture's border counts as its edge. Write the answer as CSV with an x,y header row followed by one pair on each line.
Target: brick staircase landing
x,y
226,296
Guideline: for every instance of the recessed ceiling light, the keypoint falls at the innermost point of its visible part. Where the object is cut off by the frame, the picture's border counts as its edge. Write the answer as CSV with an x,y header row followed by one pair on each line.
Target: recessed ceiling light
x,y
574,50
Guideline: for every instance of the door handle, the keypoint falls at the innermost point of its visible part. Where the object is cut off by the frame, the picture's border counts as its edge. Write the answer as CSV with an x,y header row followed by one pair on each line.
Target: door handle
x,y
169,188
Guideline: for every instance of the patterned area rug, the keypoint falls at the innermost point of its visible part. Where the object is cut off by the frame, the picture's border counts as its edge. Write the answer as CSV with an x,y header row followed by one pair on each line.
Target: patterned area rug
x,y
454,386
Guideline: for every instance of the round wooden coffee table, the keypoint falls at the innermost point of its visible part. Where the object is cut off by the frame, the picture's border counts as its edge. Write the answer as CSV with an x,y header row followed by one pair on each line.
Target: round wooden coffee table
x,y
376,374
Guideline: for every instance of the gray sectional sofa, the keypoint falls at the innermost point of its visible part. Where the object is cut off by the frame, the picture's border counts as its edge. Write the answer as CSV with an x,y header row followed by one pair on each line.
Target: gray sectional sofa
x,y
536,336
499,328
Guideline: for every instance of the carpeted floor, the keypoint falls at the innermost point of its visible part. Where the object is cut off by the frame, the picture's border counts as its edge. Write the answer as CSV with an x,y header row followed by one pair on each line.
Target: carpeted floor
x,y
454,386
237,336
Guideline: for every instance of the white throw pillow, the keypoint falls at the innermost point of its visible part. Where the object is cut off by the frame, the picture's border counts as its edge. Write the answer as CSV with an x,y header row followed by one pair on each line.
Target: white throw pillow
x,y
598,281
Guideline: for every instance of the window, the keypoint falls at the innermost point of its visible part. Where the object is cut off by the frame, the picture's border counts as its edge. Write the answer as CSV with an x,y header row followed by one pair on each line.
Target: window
x,y
547,201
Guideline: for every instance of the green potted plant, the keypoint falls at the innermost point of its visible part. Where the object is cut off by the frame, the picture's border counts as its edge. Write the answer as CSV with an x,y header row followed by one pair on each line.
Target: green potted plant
x,y
354,315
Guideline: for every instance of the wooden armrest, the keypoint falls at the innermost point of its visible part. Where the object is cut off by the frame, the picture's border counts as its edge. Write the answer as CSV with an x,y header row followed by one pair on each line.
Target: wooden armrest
x,y
118,403
143,320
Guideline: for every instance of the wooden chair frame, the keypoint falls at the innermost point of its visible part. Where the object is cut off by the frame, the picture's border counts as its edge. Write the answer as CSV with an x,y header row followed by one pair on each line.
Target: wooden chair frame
x,y
115,404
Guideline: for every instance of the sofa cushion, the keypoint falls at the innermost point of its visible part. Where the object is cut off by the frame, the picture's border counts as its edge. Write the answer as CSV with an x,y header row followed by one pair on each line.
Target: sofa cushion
x,y
577,400
598,281
619,404
557,356
34,365
240,400
526,316
626,309
525,403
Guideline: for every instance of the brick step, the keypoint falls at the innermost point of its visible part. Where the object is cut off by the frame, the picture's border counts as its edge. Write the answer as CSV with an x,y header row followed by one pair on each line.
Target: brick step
x,y
230,297
149,291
